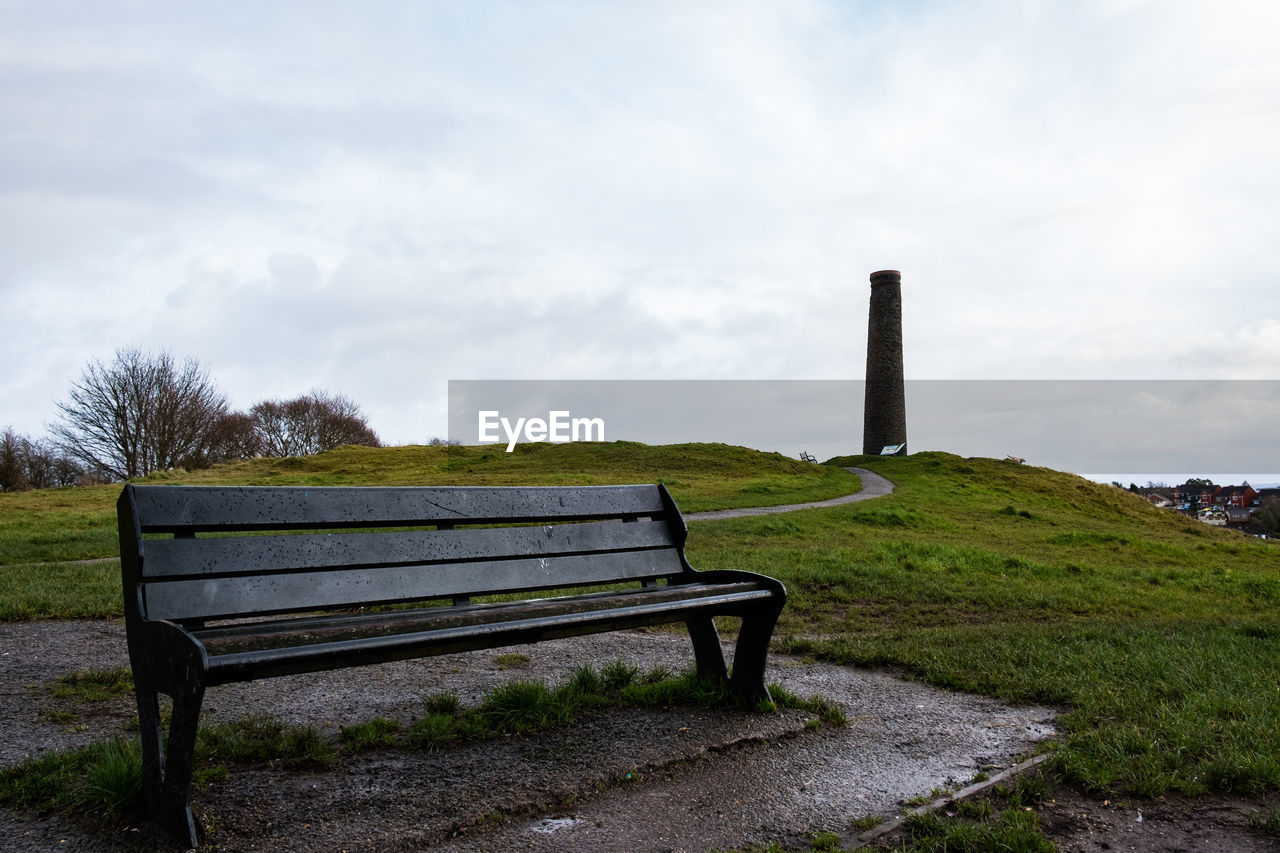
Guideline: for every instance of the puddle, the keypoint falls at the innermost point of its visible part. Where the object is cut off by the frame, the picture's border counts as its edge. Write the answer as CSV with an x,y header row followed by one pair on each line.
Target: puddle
x,y
551,825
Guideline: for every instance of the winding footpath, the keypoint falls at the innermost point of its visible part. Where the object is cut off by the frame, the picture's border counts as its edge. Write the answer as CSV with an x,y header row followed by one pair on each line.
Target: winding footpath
x,y
873,486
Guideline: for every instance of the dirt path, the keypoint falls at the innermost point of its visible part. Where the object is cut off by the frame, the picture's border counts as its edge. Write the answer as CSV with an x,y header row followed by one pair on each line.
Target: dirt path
x,y
662,779
873,486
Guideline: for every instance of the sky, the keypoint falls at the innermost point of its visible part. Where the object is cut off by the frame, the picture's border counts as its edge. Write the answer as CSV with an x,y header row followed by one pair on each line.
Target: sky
x,y
376,198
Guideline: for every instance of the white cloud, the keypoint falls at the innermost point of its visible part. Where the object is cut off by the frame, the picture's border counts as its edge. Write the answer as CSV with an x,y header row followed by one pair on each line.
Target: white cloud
x,y
375,199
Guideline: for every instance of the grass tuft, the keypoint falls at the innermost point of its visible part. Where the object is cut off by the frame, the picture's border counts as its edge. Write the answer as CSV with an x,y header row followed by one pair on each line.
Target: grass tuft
x,y
113,777
442,703
433,732
104,777
522,706
828,713
1012,830
93,685
1265,821
618,674
262,739
378,733
512,660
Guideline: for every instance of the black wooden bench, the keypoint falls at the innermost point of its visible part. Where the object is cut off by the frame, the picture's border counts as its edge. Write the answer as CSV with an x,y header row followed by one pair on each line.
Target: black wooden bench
x,y
226,584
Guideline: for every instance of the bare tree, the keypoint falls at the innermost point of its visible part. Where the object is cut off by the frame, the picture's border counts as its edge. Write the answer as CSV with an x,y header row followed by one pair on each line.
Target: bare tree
x,y
235,436
67,471
27,463
13,464
312,423
138,414
41,465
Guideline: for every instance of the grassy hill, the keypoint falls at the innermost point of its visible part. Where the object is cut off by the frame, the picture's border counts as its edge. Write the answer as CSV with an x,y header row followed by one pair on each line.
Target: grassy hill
x,y
1158,636
51,525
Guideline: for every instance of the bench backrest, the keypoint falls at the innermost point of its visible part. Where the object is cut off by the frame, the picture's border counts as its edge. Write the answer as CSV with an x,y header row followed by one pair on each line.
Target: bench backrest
x,y
195,553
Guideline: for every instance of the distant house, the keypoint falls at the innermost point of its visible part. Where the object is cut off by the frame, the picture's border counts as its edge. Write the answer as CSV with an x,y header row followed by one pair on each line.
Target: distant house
x,y
1236,496
1238,516
1262,495
1157,499
1195,494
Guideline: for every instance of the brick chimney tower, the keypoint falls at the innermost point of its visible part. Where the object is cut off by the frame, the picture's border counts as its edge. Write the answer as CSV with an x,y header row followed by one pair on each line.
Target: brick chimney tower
x,y
884,413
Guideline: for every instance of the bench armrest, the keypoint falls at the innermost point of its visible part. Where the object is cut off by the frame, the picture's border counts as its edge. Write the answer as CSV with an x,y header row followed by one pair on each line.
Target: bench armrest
x,y
165,656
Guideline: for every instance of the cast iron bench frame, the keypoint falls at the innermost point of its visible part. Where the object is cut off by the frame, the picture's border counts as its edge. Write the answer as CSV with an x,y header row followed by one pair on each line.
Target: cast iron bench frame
x,y
294,580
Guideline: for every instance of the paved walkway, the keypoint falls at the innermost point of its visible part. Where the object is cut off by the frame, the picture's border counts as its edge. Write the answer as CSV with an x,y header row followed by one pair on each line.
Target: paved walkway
x,y
873,486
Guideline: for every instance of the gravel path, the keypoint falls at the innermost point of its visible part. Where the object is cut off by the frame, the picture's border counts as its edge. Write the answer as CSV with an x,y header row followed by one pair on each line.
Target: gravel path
x,y
665,779
873,486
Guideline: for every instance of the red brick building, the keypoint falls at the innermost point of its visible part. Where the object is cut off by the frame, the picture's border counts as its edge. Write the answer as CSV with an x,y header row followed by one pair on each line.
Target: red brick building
x,y
1196,494
1237,496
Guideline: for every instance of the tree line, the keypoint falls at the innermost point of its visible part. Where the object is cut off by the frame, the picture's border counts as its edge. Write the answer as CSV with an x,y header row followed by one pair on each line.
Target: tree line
x,y
27,463
144,412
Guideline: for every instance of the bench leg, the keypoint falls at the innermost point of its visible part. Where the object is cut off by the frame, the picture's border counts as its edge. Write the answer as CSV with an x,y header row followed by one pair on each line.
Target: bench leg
x,y
706,648
166,768
749,656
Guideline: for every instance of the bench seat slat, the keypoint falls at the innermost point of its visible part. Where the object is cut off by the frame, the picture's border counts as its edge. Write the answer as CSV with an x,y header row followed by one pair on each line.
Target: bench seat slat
x,y
209,508
215,598
285,624
300,631
166,558
239,666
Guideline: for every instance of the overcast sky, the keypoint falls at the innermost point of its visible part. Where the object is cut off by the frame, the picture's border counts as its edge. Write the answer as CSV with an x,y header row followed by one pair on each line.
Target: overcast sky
x,y
373,198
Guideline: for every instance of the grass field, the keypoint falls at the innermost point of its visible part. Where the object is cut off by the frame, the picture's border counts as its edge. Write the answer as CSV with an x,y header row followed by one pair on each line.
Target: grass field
x,y
52,525
1159,637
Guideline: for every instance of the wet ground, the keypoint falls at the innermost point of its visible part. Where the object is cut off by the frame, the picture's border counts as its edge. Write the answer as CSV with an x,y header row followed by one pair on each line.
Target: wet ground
x,y
674,779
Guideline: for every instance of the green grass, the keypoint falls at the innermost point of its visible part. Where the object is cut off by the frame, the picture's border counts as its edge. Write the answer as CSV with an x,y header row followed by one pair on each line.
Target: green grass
x,y
93,685
1011,830
89,692
828,712
819,842
114,779
378,733
1266,822
60,591
64,525
103,777
263,739
58,525
1002,820
512,660
1158,636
